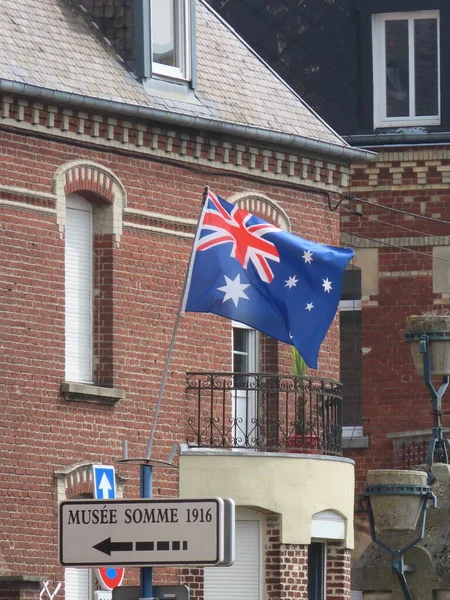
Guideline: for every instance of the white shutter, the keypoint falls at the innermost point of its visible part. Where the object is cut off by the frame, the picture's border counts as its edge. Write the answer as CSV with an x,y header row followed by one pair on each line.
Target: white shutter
x,y
242,581
77,584
79,288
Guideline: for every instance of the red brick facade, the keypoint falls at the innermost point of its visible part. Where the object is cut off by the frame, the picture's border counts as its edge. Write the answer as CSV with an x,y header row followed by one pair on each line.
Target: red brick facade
x,y
145,207
402,278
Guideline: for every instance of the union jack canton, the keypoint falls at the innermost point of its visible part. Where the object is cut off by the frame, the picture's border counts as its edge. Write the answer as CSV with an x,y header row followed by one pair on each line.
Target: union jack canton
x,y
248,270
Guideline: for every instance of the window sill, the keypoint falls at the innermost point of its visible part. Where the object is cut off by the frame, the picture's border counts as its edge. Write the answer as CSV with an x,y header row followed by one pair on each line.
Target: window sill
x,y
85,392
353,437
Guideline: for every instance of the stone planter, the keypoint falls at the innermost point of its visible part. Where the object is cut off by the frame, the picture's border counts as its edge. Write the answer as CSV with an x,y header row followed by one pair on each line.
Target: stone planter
x,y
396,512
439,349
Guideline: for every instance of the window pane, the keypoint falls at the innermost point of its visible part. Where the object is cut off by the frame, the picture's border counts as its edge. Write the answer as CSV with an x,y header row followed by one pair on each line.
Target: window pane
x,y
351,365
397,69
316,565
244,360
165,35
241,349
426,66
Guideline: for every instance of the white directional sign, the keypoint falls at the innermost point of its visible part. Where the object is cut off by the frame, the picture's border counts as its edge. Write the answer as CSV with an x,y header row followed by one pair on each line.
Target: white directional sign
x,y
141,532
104,482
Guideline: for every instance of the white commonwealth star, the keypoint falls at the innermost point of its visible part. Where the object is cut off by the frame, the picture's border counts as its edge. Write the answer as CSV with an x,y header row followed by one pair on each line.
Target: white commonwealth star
x,y
326,285
309,306
307,256
234,289
291,282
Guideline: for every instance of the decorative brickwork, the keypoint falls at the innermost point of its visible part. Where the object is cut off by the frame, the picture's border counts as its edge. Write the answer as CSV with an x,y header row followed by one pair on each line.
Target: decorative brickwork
x,y
96,183
264,207
148,140
403,169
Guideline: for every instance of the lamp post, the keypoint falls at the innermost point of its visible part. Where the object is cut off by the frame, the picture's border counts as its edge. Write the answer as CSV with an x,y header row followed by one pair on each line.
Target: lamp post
x,y
398,500
429,336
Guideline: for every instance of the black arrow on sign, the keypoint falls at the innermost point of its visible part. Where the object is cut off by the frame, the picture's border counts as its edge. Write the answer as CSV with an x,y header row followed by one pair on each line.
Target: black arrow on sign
x,y
107,546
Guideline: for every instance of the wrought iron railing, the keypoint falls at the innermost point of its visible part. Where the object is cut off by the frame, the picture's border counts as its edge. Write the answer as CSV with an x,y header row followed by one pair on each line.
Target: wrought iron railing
x,y
264,412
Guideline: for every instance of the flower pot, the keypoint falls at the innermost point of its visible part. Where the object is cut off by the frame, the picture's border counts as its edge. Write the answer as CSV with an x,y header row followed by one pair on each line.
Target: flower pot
x,y
396,512
303,443
437,328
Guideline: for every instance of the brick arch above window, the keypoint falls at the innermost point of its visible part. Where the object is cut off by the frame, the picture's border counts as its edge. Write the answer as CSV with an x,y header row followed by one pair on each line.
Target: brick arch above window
x,y
262,206
86,177
76,480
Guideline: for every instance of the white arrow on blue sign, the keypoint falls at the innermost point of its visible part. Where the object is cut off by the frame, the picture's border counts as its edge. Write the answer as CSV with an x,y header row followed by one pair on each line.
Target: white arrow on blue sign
x,y
104,482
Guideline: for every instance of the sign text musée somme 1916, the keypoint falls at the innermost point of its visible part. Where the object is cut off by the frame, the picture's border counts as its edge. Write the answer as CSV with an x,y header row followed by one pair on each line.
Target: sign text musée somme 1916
x,y
141,532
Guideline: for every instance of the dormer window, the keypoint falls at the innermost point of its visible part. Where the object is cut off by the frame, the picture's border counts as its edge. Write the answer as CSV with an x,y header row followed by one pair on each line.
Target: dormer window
x,y
170,38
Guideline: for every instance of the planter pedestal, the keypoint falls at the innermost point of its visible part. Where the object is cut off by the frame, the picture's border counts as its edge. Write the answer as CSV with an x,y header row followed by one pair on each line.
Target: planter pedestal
x,y
396,512
437,329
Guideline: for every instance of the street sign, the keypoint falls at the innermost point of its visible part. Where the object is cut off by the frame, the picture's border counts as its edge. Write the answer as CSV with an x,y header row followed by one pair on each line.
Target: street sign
x,y
105,488
110,577
162,592
141,532
104,482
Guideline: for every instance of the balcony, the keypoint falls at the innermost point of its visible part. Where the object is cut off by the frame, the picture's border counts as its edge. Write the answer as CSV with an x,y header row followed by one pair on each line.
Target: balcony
x,y
271,443
264,412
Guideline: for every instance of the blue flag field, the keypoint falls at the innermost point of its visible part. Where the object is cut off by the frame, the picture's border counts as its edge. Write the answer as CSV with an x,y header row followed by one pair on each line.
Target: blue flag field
x,y
248,270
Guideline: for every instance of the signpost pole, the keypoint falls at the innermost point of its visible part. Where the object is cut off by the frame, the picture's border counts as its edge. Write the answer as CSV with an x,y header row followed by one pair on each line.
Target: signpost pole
x,y
146,482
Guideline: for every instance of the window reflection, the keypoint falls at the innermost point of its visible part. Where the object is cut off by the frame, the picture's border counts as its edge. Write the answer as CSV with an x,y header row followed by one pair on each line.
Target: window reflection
x,y
426,66
164,32
397,69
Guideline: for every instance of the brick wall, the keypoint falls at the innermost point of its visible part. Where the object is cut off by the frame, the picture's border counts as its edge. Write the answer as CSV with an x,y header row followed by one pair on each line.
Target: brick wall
x,y
338,571
142,270
414,180
19,589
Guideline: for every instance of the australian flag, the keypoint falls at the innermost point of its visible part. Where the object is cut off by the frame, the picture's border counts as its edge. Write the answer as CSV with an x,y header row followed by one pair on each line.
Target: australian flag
x,y
248,270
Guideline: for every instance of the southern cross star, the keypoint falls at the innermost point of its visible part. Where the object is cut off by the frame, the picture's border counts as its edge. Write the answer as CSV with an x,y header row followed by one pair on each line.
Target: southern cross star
x,y
234,289
291,282
309,306
307,256
327,285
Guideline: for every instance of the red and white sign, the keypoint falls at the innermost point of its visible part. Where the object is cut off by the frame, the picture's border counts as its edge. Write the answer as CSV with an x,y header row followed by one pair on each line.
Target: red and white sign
x,y
110,577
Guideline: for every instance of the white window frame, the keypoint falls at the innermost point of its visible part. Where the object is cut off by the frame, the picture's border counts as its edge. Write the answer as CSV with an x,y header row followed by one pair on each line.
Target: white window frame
x,y
248,396
379,70
183,32
82,373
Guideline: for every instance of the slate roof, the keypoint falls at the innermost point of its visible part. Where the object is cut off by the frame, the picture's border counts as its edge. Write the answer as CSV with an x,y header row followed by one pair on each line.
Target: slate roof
x,y
52,44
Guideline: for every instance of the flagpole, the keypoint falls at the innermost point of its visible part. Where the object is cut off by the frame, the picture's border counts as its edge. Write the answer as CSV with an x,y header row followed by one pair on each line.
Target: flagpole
x,y
179,314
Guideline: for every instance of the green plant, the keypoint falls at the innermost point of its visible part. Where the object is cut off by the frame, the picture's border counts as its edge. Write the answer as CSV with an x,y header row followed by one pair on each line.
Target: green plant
x,y
298,364
299,368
